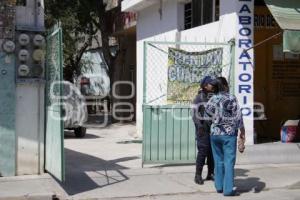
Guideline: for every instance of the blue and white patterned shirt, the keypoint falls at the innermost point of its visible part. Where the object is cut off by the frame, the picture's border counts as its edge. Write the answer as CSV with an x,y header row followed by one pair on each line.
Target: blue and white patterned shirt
x,y
225,113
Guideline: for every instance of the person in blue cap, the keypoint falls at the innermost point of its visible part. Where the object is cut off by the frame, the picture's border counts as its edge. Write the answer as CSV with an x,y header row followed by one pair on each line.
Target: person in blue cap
x,y
202,127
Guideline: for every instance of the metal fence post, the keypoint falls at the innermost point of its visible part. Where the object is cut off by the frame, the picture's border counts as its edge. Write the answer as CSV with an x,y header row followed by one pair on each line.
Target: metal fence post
x,y
145,73
144,100
232,67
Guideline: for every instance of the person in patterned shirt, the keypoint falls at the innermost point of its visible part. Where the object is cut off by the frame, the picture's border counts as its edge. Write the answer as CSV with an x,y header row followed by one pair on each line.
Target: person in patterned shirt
x,y
224,112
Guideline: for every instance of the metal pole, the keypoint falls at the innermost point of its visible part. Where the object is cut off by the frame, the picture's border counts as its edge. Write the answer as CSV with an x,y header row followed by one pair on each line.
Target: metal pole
x,y
261,42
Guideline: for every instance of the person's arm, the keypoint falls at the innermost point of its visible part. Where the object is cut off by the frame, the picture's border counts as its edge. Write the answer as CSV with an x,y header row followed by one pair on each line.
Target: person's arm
x,y
242,133
195,111
241,125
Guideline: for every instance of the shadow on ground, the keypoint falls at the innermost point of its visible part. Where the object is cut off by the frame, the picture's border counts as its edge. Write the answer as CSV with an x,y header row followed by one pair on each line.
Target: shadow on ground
x,y
130,142
246,184
71,135
85,172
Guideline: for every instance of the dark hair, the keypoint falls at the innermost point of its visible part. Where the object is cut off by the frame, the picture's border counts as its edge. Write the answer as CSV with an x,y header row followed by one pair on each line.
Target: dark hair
x,y
224,81
220,85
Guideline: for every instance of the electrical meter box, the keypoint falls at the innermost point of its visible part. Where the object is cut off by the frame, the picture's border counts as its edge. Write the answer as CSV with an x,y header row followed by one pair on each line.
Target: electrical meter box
x,y
30,52
22,87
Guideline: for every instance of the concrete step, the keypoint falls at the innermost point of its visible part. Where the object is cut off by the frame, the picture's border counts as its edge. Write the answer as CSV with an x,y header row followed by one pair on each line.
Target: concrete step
x,y
270,153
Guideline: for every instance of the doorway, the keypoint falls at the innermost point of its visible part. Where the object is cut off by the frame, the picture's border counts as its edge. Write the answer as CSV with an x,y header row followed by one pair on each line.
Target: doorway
x,y
277,78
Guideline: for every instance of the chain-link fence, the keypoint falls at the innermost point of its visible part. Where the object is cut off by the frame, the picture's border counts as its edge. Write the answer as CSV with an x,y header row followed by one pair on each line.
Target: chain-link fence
x,y
54,126
173,70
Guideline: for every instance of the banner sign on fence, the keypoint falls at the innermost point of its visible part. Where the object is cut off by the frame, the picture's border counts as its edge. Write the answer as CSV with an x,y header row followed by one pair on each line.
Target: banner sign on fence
x,y
186,69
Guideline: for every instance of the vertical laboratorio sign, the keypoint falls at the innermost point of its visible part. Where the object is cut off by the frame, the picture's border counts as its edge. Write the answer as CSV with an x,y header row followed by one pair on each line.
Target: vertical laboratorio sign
x,y
244,88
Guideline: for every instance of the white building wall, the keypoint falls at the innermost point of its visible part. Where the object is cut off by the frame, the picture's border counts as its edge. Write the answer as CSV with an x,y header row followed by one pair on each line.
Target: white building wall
x,y
153,27
30,128
31,15
213,32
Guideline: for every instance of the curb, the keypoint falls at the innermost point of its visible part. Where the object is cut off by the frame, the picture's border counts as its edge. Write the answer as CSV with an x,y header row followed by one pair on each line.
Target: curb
x,y
49,196
272,153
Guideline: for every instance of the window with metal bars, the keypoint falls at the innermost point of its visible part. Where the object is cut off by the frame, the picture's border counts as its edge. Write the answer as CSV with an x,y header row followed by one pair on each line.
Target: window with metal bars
x,y
200,12
21,3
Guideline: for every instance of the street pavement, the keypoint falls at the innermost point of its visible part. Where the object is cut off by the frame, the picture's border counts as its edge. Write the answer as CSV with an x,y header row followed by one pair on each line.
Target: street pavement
x,y
106,164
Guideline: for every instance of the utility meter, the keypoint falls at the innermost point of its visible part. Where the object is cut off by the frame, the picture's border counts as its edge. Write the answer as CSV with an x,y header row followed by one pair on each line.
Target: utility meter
x,y
23,55
38,55
37,71
9,46
39,41
31,54
23,70
24,39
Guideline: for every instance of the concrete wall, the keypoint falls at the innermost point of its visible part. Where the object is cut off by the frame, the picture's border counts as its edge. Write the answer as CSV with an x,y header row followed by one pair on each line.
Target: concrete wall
x,y
213,32
152,27
31,15
30,128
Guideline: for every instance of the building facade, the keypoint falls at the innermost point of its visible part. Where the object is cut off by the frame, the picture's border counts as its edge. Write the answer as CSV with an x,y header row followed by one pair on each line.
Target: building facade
x,y
261,73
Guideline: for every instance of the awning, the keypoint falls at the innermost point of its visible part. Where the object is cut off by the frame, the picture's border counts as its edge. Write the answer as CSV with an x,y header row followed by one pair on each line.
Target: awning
x,y
286,13
291,41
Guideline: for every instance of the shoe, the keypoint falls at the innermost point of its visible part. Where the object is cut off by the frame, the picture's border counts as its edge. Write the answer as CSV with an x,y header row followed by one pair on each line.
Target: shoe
x,y
233,193
219,191
198,180
210,177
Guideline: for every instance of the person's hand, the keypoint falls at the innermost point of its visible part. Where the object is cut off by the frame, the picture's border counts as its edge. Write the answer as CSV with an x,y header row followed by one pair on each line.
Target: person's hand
x,y
241,141
242,136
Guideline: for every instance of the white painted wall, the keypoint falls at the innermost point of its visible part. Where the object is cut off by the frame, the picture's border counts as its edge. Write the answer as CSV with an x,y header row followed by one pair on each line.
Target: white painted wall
x,y
30,128
31,15
227,7
137,4
219,31
150,27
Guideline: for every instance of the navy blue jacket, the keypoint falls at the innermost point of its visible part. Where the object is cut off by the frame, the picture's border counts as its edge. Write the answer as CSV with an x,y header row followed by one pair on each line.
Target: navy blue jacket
x,y
198,113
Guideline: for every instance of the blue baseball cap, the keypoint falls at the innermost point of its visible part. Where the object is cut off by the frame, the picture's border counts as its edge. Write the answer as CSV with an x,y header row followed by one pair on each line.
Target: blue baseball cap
x,y
206,80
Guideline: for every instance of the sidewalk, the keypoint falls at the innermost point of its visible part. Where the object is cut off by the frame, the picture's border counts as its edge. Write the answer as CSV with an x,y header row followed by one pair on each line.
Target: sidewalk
x,y
254,182
42,187
106,164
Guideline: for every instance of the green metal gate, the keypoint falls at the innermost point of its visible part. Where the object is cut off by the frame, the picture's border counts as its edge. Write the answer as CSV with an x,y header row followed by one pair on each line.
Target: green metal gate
x,y
54,155
168,129
7,115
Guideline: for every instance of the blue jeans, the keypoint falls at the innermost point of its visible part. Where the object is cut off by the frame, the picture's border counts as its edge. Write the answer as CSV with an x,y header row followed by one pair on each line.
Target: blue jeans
x,y
224,153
